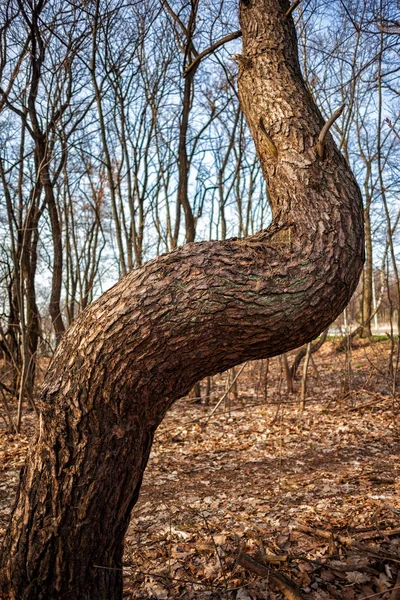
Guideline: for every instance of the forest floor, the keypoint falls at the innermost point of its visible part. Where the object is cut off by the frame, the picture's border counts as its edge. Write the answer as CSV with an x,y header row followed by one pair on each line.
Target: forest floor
x,y
264,500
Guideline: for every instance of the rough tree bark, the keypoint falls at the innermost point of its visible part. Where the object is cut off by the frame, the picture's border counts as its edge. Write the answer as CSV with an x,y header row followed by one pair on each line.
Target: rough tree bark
x,y
194,312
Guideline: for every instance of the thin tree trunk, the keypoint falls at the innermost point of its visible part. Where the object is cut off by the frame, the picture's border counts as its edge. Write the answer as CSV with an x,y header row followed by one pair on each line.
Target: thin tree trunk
x,y
184,161
367,304
304,378
57,270
197,311
234,390
184,165
288,374
195,392
303,351
265,380
208,390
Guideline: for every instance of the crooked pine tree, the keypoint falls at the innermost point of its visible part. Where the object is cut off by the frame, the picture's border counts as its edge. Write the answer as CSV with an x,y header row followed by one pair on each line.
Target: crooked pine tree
x,y
194,312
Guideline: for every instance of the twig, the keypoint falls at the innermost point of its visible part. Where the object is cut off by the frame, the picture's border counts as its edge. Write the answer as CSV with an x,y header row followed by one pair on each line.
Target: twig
x,y
365,405
225,395
363,390
325,129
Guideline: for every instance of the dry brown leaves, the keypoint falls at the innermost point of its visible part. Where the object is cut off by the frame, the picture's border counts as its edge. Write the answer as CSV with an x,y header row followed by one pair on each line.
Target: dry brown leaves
x,y
247,480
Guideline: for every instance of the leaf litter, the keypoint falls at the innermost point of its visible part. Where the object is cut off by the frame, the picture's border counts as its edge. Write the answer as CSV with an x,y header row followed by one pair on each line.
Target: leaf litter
x,y
310,498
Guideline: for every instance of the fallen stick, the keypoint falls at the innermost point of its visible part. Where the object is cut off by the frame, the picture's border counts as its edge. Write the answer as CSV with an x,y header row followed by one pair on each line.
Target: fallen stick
x,y
287,587
377,534
348,541
352,543
327,535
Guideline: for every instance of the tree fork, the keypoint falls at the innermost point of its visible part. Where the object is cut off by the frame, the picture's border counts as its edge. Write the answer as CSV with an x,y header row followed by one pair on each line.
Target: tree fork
x,y
199,310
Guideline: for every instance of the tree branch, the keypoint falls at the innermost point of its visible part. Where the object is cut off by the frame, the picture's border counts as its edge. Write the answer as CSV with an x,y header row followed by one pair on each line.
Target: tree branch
x,y
292,7
325,129
210,50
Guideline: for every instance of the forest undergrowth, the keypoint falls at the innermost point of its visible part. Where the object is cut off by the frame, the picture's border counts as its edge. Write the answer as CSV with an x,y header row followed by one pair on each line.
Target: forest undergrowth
x,y
266,499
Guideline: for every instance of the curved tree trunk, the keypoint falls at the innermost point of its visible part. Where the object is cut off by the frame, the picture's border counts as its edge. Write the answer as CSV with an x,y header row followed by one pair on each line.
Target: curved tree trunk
x,y
194,312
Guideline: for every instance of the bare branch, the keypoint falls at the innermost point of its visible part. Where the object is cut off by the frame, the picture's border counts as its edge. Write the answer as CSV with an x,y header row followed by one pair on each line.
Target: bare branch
x,y
211,49
325,129
390,27
183,27
292,7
